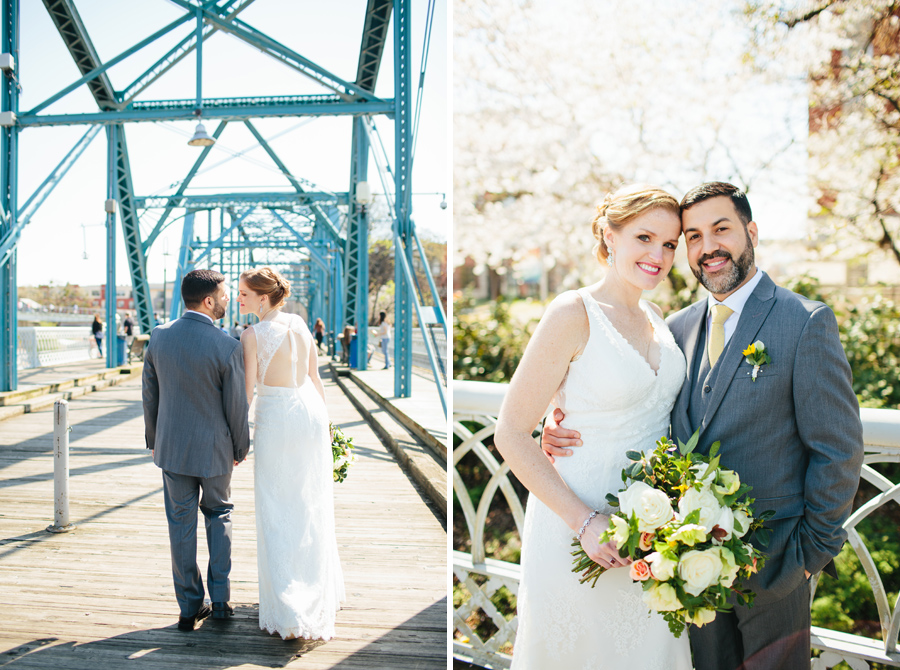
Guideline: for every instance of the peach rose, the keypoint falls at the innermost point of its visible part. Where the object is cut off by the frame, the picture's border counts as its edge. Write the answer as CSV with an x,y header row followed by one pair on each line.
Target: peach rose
x,y
640,571
646,543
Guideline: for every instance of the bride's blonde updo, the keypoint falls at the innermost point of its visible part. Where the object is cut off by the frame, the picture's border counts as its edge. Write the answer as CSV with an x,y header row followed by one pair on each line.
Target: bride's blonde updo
x,y
620,208
268,281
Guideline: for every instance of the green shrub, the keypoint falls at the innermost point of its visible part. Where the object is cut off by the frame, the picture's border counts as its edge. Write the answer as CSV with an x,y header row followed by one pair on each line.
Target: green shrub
x,y
871,337
870,334
487,342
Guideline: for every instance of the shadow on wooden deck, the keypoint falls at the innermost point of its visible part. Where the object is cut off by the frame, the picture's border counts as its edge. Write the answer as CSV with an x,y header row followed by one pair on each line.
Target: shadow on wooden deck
x,y
217,645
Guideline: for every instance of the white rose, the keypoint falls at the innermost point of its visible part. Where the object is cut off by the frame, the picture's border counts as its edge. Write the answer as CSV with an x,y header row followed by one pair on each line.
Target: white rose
x,y
741,522
662,568
661,598
760,347
700,570
704,501
701,617
651,507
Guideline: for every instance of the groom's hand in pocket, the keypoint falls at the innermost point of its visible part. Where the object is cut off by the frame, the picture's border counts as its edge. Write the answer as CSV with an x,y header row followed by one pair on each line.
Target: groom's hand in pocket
x,y
556,440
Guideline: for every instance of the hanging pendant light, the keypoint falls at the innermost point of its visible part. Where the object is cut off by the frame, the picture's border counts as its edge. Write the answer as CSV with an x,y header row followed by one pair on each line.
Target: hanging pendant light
x,y
201,138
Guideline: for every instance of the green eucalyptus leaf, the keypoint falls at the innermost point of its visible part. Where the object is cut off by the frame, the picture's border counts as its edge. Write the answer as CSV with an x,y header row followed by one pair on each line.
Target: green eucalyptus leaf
x,y
692,443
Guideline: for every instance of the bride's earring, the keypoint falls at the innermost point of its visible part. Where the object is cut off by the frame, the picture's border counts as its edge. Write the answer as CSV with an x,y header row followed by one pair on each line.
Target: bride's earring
x,y
609,259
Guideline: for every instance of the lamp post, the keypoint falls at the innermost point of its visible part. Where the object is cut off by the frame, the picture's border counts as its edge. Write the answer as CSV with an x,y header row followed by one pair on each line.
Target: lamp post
x,y
364,198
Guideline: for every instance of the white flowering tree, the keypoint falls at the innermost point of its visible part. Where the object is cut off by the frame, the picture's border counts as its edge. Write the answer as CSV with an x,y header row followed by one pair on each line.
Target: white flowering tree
x,y
851,49
557,102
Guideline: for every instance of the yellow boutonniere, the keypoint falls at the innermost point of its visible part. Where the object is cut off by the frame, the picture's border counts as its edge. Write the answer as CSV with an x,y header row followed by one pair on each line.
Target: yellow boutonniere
x,y
757,356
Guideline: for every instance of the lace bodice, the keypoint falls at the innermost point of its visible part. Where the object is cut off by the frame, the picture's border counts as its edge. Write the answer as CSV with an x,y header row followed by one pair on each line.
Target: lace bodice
x,y
616,401
269,338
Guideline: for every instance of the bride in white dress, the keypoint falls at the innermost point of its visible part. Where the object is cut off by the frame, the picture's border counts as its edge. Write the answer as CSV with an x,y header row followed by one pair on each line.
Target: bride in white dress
x,y
300,580
606,358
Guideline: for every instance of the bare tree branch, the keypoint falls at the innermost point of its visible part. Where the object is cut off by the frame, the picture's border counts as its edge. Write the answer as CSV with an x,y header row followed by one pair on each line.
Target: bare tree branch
x,y
803,18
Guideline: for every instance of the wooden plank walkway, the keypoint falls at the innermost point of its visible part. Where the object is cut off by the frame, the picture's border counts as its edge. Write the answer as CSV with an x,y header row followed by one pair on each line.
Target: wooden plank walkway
x,y
101,597
54,374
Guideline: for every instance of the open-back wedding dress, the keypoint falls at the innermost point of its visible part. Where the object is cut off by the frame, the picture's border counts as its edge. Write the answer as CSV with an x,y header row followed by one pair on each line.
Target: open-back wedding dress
x,y
300,580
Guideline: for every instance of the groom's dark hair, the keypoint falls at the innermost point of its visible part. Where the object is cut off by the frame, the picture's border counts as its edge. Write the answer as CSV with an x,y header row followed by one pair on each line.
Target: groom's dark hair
x,y
198,284
714,189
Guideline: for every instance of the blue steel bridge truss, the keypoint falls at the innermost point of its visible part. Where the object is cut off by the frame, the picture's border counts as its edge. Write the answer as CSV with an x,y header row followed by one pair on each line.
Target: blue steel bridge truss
x,y
318,239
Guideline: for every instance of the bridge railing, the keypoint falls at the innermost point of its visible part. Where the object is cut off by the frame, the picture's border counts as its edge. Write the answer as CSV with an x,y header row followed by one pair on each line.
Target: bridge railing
x,y
479,578
50,346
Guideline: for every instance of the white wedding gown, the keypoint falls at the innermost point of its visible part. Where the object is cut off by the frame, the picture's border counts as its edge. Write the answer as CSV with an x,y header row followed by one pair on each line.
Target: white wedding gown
x,y
300,580
613,398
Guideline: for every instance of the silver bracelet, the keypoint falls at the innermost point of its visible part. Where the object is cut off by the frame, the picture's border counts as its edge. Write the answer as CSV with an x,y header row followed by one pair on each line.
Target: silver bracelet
x,y
586,522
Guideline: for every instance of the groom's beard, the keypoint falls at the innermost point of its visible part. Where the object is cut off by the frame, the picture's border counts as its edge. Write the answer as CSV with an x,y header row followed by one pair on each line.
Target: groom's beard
x,y
728,281
218,309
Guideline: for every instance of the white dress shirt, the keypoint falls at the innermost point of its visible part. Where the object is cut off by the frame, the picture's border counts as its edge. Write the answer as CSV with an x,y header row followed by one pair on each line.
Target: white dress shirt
x,y
193,311
735,302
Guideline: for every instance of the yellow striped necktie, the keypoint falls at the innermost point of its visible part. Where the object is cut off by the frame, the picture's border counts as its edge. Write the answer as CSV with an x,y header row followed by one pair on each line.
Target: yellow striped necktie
x,y
720,314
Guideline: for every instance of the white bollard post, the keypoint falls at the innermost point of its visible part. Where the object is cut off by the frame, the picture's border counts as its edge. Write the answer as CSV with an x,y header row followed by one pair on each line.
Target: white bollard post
x,y
60,468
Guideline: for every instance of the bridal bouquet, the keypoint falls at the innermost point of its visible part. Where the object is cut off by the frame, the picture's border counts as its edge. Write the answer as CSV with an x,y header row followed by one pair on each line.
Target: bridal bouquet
x,y
340,451
683,522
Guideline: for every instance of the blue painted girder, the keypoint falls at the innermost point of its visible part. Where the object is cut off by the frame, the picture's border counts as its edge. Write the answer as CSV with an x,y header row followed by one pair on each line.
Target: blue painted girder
x,y
219,200
284,54
272,108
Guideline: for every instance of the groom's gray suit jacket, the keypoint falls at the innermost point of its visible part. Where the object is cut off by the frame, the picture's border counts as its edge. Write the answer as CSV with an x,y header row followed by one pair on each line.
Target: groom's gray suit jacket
x,y
195,401
794,434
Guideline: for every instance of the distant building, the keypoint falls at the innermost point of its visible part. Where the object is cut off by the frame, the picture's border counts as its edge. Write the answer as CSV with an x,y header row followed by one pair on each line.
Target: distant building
x,y
97,294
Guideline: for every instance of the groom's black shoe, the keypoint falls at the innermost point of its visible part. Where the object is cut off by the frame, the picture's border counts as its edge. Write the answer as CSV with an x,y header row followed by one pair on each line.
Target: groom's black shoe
x,y
187,623
222,610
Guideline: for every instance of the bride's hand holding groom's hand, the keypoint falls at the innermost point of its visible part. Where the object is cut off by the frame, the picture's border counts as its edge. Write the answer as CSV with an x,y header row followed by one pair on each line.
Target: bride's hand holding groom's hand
x,y
556,440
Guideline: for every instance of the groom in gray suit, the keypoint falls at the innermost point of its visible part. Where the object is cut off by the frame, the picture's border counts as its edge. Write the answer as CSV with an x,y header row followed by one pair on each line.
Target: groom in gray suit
x,y
196,426
793,433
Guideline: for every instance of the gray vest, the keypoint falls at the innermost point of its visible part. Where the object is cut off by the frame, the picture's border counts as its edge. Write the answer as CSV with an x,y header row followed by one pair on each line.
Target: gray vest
x,y
704,381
